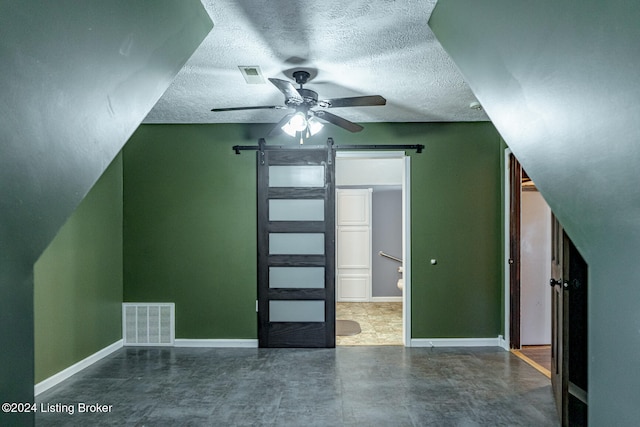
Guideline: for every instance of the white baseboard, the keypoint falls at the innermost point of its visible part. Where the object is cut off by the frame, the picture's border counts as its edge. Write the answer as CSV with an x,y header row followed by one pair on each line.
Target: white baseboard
x,y
455,342
75,368
503,343
231,343
386,299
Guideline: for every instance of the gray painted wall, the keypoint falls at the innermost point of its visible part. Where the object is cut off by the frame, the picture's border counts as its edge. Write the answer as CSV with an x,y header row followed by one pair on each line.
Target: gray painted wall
x,y
560,82
387,237
77,79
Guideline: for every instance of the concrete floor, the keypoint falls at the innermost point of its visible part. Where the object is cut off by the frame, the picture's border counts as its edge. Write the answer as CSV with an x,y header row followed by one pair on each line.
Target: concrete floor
x,y
346,386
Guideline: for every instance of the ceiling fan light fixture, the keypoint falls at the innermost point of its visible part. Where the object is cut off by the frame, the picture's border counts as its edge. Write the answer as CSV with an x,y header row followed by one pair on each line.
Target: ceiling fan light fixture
x,y
315,126
297,123
288,130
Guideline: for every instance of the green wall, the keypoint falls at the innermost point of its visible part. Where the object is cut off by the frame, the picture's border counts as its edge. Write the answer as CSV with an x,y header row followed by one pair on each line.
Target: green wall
x,y
190,215
190,227
78,281
456,219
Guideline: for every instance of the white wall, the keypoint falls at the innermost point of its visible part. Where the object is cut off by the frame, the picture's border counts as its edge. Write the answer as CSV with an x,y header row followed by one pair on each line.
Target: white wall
x,y
535,270
370,171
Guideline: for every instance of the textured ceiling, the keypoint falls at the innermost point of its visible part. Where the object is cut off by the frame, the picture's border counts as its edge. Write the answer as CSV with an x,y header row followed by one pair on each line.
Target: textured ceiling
x,y
361,47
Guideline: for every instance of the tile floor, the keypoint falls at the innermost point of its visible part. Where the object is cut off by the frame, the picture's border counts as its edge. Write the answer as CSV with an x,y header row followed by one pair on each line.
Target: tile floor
x,y
346,386
381,322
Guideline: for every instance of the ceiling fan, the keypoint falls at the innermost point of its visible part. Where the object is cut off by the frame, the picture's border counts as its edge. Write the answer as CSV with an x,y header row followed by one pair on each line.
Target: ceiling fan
x,y
303,121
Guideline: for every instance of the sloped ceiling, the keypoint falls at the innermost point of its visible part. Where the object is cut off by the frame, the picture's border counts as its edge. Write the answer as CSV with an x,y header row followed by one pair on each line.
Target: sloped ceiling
x,y
77,79
352,48
560,83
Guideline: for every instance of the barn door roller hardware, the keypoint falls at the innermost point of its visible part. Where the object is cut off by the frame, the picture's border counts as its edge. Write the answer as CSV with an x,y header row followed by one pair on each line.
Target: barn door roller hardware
x,y
262,142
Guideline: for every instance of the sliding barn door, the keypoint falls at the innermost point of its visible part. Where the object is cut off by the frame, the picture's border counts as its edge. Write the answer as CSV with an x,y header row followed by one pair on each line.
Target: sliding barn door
x,y
296,255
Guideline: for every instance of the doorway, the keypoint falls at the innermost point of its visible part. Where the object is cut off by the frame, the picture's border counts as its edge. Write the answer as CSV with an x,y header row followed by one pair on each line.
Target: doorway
x,y
566,359
372,230
529,265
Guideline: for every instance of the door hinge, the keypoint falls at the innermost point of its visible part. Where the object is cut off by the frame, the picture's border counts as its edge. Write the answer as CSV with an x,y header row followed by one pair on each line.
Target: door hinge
x,y
256,306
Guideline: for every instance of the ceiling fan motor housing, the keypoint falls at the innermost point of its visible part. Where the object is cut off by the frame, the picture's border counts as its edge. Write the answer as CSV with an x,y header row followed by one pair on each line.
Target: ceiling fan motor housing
x,y
301,76
309,98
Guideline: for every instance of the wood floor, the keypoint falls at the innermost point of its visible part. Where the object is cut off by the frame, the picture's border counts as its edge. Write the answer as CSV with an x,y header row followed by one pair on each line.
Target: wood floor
x,y
538,356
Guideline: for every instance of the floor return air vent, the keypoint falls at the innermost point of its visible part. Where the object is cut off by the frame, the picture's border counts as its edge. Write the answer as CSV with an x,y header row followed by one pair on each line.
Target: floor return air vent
x,y
148,324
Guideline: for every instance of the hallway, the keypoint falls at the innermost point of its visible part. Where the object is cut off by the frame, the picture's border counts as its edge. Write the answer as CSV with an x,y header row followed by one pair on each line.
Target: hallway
x,y
348,386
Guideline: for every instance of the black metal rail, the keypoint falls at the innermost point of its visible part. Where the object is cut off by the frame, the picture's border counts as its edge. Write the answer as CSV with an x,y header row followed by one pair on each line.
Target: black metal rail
x,y
417,147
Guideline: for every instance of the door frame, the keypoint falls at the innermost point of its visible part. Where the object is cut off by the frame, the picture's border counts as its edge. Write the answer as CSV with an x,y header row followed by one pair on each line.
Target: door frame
x,y
513,191
406,251
506,341
406,227
514,203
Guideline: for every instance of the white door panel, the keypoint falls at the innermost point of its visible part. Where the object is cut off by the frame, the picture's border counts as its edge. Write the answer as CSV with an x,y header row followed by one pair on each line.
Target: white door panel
x,y
353,287
353,207
353,247
353,244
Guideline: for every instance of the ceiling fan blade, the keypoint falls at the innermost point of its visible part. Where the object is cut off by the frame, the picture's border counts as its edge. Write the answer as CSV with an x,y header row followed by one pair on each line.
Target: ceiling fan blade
x,y
262,107
277,129
338,121
289,90
356,101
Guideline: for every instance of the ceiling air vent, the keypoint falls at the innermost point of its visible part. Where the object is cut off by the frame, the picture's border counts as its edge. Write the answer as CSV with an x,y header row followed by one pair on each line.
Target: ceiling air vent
x,y
252,74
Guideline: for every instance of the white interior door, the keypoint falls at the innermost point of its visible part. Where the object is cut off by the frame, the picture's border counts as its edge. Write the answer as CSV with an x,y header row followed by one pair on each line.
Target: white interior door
x,y
353,248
